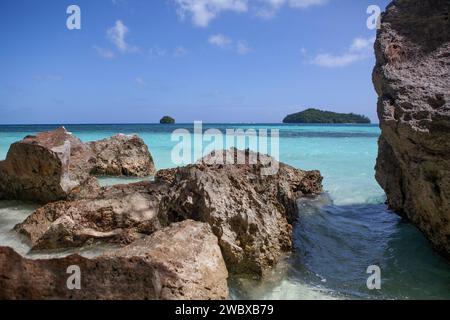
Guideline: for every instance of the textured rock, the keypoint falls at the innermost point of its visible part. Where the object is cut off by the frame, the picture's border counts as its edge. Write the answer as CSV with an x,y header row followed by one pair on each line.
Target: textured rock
x,y
45,167
182,261
52,165
250,213
117,214
412,79
122,155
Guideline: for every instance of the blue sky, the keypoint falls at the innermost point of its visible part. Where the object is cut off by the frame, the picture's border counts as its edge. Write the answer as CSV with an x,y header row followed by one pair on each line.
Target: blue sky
x,y
210,60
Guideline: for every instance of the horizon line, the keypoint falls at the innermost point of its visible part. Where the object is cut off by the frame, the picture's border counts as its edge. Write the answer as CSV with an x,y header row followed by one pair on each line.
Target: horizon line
x,y
174,124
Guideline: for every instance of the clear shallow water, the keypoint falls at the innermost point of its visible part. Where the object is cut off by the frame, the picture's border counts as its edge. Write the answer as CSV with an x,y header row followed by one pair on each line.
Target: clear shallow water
x,y
338,235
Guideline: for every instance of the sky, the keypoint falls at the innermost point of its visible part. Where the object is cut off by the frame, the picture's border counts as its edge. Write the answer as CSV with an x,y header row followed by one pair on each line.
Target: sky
x,y
216,61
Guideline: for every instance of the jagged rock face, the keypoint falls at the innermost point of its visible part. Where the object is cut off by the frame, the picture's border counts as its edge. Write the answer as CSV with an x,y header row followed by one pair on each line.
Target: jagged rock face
x,y
182,261
49,166
250,213
122,155
412,79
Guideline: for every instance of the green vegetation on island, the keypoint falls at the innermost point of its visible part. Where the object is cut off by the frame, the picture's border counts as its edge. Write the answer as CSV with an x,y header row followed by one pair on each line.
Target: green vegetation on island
x,y
167,120
319,116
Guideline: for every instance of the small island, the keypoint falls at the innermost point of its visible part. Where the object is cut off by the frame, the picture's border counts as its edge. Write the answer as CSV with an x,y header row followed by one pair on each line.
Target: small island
x,y
320,116
167,120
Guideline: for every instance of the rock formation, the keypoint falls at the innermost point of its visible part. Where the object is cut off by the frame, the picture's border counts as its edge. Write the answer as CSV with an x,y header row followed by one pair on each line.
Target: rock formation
x,y
412,79
182,261
48,166
122,155
118,214
250,213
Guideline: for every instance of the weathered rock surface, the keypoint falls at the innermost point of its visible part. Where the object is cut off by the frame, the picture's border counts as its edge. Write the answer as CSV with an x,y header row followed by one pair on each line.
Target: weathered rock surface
x,y
182,261
250,213
117,214
412,79
122,155
49,166
45,167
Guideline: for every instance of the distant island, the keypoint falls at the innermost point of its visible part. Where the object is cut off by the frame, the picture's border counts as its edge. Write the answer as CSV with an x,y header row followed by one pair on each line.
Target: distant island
x,y
167,120
320,116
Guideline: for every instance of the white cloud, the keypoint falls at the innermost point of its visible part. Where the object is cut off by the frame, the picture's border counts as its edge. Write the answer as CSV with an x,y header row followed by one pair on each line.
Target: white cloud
x,y
360,44
360,49
179,52
224,42
332,61
104,52
303,4
203,11
117,35
268,8
219,40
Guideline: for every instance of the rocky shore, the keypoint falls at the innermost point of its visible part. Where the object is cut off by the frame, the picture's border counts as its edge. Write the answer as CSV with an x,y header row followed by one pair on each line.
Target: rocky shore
x,y
412,79
51,165
178,236
182,261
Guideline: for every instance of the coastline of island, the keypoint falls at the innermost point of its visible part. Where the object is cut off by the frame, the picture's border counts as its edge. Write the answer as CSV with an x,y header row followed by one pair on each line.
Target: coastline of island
x,y
317,116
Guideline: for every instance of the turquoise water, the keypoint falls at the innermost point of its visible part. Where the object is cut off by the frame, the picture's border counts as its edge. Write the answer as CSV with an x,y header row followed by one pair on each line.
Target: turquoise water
x,y
338,235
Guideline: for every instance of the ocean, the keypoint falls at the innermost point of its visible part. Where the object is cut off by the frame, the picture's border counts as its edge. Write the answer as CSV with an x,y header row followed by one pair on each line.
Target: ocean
x,y
338,235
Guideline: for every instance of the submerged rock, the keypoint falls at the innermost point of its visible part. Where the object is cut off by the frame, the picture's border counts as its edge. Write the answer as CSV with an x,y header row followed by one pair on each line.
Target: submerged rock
x,y
182,261
412,79
49,166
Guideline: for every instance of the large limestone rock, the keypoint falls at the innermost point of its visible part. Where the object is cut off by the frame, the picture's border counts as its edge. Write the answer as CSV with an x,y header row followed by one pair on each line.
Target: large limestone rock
x,y
122,155
182,261
412,79
45,167
118,214
250,213
51,165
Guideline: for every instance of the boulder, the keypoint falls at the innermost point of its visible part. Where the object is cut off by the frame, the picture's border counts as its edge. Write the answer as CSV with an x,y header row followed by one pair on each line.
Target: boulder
x,y
51,165
118,214
182,261
45,167
412,79
122,155
251,213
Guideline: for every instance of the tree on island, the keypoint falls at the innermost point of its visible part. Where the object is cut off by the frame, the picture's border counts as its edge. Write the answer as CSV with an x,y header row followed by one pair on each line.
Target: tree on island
x,y
320,116
167,120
